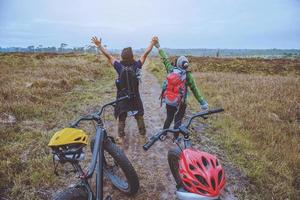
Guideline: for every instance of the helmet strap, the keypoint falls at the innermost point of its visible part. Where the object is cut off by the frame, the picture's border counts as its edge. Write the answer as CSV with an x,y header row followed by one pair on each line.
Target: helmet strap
x,y
55,165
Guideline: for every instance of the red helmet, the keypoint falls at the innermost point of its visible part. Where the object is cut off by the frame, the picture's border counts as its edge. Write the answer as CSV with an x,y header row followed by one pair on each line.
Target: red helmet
x,y
201,173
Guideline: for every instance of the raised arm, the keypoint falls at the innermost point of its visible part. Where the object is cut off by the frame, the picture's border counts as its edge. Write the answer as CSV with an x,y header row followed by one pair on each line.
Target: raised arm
x,y
98,44
148,50
163,55
166,60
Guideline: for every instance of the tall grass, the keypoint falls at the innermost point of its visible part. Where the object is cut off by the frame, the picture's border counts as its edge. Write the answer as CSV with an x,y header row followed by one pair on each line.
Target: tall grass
x,y
44,92
260,128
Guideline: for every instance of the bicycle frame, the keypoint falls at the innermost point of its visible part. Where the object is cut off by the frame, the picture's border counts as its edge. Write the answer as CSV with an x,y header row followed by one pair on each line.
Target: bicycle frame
x,y
96,165
98,155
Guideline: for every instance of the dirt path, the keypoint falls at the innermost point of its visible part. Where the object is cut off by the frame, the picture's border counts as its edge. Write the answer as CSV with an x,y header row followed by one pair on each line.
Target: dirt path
x,y
156,181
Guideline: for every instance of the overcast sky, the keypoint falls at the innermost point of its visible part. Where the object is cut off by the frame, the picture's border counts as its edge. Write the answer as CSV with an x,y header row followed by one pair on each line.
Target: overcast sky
x,y
178,23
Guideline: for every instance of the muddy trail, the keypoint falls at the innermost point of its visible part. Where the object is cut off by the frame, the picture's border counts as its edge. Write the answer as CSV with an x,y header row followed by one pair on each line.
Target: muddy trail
x,y
156,181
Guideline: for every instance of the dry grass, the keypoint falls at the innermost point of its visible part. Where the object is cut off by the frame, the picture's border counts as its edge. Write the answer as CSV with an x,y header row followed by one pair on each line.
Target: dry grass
x,y
43,92
246,65
260,128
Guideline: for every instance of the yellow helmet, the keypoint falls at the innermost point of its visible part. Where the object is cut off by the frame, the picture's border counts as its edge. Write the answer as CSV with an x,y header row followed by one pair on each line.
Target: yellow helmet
x,y
68,136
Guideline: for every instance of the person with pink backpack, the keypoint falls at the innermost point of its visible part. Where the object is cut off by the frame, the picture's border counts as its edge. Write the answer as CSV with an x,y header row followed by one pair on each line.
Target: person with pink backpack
x,y
175,88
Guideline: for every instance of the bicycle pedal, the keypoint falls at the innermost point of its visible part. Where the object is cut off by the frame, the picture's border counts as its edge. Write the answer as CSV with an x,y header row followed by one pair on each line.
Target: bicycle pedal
x,y
108,198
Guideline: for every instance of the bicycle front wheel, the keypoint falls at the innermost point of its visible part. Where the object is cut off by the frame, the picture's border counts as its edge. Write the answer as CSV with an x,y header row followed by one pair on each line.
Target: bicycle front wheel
x,y
118,168
173,160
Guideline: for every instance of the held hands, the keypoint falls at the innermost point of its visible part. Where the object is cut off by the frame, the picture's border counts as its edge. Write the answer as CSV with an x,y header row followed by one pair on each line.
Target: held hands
x,y
155,42
96,41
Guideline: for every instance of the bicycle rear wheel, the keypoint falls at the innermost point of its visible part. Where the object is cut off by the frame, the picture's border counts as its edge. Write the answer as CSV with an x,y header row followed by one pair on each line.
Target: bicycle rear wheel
x,y
118,168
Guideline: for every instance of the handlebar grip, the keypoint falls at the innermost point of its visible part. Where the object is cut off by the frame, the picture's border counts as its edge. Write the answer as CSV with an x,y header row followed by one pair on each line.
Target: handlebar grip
x,y
217,110
149,144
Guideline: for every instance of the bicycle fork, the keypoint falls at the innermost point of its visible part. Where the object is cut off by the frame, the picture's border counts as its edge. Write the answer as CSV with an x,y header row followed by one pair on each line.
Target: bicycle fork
x,y
100,136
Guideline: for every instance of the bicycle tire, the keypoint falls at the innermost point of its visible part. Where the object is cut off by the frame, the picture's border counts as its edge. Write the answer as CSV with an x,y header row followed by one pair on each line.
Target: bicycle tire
x,y
173,160
123,162
72,193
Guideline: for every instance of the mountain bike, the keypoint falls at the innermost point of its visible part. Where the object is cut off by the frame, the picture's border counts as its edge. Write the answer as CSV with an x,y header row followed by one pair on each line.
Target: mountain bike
x,y
198,175
107,159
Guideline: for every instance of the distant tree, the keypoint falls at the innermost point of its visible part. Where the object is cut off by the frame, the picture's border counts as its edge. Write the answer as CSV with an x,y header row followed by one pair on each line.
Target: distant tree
x,y
39,48
78,49
62,46
218,53
30,48
91,49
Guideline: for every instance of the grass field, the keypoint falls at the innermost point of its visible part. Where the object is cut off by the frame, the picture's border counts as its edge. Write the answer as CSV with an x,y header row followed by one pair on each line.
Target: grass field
x,y
40,94
260,129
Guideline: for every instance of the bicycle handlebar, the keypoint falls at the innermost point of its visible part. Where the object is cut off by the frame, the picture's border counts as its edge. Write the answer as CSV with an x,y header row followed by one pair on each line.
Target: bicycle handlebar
x,y
203,114
161,133
96,116
112,103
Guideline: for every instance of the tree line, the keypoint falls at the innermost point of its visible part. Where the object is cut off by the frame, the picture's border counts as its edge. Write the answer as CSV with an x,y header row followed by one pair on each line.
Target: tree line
x,y
64,48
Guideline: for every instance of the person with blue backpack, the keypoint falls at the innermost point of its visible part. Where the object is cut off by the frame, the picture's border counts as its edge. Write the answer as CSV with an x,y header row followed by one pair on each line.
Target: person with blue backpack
x,y
175,88
127,83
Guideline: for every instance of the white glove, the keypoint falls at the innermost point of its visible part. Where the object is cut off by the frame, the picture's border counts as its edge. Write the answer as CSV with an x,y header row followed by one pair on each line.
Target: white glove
x,y
204,106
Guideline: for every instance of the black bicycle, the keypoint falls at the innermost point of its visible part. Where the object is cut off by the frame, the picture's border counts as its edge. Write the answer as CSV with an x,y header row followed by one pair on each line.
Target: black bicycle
x,y
107,159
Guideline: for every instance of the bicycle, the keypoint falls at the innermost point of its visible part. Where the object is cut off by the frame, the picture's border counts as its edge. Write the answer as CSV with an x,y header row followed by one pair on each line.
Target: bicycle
x,y
198,175
68,146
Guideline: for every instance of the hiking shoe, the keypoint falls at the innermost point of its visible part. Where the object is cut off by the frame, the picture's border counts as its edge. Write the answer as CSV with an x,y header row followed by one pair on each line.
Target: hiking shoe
x,y
120,140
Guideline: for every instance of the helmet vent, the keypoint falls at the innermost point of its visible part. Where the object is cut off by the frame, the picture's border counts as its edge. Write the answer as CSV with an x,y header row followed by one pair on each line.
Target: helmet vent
x,y
201,180
192,167
205,162
217,162
199,166
213,183
213,164
202,191
220,176
84,138
77,139
188,184
195,183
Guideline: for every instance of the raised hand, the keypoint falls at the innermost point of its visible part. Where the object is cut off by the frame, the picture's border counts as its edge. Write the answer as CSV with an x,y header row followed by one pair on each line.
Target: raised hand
x,y
96,41
155,41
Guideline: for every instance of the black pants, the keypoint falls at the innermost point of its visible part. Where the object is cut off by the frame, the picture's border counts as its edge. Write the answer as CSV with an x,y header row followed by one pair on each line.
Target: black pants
x,y
174,114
